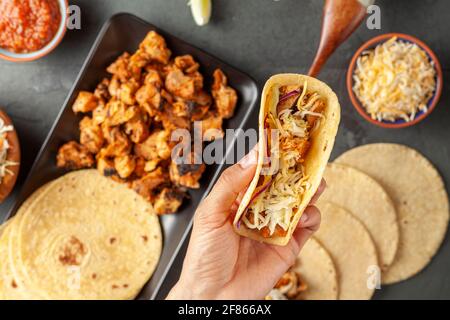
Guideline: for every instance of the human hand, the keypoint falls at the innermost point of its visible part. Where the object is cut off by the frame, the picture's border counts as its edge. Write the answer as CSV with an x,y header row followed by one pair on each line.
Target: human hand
x,y
219,263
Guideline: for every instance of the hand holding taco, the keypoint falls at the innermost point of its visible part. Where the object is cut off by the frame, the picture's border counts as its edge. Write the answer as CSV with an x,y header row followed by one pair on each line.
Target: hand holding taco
x,y
298,123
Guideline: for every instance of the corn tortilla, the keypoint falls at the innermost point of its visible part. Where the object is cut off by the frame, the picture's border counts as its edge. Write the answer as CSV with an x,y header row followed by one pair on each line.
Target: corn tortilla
x,y
85,237
351,248
11,287
317,269
420,198
322,142
366,199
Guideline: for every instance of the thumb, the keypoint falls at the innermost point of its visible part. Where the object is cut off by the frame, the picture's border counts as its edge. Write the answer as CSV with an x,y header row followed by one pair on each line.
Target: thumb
x,y
233,181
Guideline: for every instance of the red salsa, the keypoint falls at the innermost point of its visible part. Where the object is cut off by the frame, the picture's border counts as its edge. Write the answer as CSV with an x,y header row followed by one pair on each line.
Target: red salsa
x,y
28,25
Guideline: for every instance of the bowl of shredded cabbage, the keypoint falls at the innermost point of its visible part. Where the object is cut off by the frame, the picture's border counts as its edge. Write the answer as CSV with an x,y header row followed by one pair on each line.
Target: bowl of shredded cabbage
x,y
394,80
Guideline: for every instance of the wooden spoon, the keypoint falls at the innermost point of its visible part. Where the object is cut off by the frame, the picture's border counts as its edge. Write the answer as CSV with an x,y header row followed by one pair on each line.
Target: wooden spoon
x,y
340,20
9,180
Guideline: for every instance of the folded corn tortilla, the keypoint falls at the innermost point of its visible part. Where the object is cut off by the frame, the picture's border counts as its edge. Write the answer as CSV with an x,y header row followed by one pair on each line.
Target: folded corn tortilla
x,y
321,139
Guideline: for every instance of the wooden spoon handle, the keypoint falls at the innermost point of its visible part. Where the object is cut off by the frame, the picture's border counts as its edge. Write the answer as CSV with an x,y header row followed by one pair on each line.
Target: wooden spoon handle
x,y
340,19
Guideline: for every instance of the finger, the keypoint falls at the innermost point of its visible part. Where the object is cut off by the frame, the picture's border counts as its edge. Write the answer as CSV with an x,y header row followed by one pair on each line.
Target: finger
x,y
320,190
237,202
309,223
231,183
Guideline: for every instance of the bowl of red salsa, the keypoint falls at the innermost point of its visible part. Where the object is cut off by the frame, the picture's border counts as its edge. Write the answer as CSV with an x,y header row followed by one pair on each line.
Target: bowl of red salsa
x,y
30,29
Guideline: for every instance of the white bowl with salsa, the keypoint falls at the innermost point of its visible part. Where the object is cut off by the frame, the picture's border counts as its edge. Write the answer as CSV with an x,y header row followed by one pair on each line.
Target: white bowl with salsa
x,y
31,29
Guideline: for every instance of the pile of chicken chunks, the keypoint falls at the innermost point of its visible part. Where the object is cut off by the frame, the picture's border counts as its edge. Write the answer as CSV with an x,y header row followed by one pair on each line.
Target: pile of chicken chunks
x,y
129,119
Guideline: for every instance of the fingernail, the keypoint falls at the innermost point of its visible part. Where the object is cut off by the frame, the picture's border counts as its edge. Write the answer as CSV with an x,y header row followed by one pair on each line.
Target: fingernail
x,y
249,160
304,218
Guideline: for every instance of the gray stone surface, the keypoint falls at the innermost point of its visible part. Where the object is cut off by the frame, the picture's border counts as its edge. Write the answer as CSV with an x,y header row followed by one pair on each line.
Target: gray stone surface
x,y
260,37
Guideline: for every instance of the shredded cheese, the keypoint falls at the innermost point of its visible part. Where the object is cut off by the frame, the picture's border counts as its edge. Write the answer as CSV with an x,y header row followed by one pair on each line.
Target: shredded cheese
x,y
276,294
293,124
302,96
394,81
4,146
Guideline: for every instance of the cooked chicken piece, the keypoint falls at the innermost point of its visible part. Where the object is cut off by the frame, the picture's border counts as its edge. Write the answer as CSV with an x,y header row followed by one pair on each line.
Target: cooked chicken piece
x,y
119,144
153,78
200,112
201,103
120,68
138,128
114,86
151,165
149,182
139,170
182,108
108,131
157,67
224,96
198,80
186,63
289,88
172,121
85,102
100,114
287,103
167,96
74,156
155,47
168,201
212,127
91,135
265,232
155,147
279,232
318,107
180,85
203,98
101,92
189,109
128,91
300,145
124,165
149,98
188,173
291,285
106,166
120,113
139,59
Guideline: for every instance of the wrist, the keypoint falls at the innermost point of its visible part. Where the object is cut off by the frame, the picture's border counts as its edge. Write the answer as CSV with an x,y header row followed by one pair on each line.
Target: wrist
x,y
179,292
185,291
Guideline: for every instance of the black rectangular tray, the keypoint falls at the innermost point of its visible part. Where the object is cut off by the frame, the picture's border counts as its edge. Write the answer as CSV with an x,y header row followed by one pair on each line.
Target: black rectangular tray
x,y
124,32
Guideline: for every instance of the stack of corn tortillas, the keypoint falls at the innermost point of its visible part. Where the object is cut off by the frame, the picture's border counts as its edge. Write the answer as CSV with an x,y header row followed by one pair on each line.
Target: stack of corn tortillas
x,y
82,236
384,216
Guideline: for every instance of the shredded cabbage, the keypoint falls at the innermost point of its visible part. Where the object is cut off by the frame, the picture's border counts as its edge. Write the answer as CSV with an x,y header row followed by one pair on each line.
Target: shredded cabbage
x,y
4,146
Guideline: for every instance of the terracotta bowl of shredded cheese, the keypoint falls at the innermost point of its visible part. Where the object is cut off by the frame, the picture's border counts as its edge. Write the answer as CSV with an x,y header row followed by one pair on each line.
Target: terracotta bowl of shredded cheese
x,y
394,80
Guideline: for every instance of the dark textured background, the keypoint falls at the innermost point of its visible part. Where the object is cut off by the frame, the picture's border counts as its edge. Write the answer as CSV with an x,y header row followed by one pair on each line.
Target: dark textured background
x,y
260,37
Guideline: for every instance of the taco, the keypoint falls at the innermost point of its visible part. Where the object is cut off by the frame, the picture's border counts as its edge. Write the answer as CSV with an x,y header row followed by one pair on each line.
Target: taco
x,y
298,123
